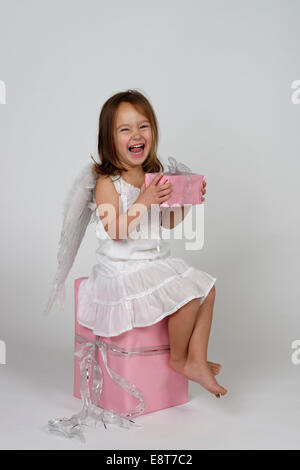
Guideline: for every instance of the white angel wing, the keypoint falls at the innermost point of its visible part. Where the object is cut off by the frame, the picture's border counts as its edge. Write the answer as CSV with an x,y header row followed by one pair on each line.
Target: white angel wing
x,y
77,210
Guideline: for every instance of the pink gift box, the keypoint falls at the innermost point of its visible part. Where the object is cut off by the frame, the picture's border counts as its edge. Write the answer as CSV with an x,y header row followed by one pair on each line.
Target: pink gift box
x,y
187,189
161,386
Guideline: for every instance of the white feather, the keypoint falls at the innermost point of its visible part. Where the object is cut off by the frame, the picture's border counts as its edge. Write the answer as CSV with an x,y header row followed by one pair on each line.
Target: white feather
x,y
78,208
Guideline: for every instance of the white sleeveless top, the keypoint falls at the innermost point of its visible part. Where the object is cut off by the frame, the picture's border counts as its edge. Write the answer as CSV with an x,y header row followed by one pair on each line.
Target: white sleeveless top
x,y
144,242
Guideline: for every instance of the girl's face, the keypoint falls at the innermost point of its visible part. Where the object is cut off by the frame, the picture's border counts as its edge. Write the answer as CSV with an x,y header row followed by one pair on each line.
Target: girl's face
x,y
132,128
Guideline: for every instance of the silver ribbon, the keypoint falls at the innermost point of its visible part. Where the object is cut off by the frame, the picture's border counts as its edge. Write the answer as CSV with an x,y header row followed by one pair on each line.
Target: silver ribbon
x,y
91,412
178,168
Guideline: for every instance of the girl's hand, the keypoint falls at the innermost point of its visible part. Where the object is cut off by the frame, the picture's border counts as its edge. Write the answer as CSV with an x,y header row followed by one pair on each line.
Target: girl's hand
x,y
203,191
155,194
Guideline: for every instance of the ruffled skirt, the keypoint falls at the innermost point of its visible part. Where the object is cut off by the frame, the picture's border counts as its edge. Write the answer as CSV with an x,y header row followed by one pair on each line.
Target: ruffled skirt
x,y
121,295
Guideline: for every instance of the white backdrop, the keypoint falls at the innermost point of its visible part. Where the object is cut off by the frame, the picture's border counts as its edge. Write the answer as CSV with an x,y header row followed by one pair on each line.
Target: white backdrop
x,y
219,76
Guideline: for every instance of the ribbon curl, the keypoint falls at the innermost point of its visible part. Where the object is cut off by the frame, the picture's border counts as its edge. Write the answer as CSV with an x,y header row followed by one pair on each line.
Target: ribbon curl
x,y
91,411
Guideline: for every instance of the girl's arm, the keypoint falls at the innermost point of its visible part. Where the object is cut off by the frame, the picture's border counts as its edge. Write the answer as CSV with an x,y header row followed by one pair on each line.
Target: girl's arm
x,y
169,219
172,216
118,226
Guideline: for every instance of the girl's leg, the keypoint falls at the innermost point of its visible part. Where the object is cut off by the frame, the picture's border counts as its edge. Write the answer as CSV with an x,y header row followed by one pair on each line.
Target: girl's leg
x,y
196,367
180,325
198,344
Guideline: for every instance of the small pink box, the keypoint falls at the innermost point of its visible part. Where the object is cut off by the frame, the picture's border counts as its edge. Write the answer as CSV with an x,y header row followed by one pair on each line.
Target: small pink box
x,y
187,189
161,386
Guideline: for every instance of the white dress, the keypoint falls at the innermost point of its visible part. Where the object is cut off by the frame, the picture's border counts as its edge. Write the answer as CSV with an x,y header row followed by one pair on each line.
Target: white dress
x,y
136,282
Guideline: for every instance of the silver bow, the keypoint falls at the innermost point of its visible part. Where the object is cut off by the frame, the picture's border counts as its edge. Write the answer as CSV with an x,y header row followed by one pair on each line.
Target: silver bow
x,y
177,167
91,412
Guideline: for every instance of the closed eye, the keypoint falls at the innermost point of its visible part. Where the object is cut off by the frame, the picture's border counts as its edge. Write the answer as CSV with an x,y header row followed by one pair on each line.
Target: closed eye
x,y
126,129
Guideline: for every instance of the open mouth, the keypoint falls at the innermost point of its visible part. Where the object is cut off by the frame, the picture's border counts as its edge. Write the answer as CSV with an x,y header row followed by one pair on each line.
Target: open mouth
x,y
136,149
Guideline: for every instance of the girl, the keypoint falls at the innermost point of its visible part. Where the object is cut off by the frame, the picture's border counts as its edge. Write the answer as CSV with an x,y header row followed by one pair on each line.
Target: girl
x,y
136,282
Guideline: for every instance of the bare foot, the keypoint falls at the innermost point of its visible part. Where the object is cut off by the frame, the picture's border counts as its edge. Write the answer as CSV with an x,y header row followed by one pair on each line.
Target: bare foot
x,y
179,365
202,374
